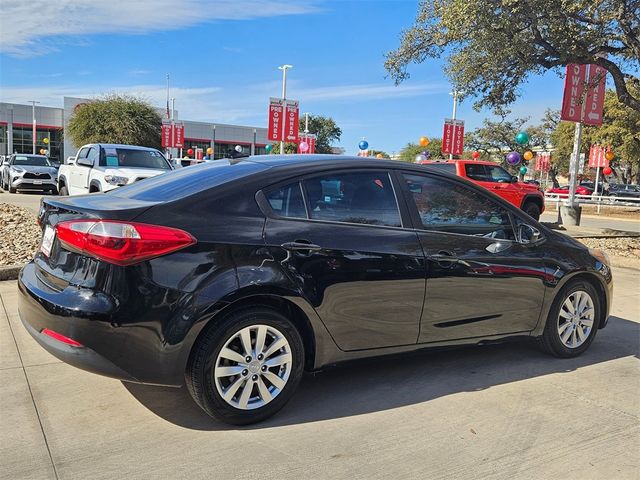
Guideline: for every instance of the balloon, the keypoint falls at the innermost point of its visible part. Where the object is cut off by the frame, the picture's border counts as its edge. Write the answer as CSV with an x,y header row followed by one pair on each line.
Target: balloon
x,y
304,147
420,158
209,151
522,138
186,157
363,145
268,148
46,140
475,155
609,155
379,155
424,141
523,170
607,171
528,155
238,148
513,158
190,151
42,150
426,154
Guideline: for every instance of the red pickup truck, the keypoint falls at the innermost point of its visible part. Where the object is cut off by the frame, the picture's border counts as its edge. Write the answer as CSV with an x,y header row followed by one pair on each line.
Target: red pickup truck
x,y
493,177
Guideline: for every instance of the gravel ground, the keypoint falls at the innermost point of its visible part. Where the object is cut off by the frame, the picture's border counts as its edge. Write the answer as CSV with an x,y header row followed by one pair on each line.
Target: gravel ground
x,y
19,234
20,238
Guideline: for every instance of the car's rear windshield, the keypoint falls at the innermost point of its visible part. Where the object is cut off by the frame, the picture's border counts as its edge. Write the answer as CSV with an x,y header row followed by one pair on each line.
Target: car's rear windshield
x,y
31,160
187,181
132,158
445,167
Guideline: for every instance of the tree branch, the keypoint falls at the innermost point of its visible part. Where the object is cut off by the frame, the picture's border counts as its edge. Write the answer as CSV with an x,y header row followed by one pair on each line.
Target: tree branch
x,y
622,91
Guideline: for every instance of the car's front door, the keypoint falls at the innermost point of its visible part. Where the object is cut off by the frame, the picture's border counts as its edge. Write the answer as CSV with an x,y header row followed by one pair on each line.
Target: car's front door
x,y
347,252
480,280
79,173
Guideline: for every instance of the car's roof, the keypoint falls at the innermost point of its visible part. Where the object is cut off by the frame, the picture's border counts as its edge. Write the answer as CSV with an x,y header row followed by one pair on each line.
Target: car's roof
x,y
28,155
120,145
296,160
460,160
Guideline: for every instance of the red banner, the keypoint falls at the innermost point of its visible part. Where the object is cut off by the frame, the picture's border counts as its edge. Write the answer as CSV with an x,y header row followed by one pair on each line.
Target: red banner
x,y
178,135
291,127
310,140
453,137
276,119
543,162
594,103
597,156
312,144
166,136
573,92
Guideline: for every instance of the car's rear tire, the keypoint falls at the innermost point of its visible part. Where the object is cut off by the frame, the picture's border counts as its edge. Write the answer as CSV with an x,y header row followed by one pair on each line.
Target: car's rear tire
x,y
240,387
573,320
62,191
532,209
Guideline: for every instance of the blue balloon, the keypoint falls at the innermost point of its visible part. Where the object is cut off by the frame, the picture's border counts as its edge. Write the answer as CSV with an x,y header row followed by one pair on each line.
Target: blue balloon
x,y
363,145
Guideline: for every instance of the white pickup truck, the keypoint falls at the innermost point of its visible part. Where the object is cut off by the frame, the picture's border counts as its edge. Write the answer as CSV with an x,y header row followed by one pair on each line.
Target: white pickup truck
x,y
100,167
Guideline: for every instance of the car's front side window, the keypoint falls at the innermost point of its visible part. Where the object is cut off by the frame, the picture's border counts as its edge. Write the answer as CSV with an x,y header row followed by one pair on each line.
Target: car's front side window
x,y
497,174
476,172
353,197
453,208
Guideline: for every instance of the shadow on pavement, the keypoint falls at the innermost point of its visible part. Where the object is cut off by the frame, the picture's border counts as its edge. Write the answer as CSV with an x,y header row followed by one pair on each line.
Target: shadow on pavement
x,y
386,383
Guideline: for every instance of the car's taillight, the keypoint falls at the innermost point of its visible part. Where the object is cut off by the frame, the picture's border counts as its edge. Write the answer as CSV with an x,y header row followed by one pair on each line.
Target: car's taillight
x,y
121,243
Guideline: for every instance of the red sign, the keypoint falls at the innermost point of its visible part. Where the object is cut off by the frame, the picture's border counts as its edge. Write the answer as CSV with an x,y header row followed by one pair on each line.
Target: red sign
x,y
310,140
178,135
579,105
276,120
312,144
597,156
573,92
453,136
166,135
292,122
543,162
594,104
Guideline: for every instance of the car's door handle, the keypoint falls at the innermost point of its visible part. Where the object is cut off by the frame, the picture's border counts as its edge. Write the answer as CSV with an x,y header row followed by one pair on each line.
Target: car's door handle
x,y
444,256
298,245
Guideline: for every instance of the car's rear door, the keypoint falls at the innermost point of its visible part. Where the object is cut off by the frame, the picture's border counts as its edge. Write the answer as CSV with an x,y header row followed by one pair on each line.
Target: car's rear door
x,y
480,280
345,247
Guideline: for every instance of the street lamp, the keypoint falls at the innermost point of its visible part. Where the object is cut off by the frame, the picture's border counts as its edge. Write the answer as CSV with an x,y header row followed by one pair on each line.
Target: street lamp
x,y
284,97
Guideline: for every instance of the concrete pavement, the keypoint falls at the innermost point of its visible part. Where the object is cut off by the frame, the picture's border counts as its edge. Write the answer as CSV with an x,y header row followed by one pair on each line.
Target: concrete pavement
x,y
500,412
30,200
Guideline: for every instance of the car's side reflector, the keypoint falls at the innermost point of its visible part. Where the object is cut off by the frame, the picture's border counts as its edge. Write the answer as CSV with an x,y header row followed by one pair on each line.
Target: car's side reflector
x,y
61,338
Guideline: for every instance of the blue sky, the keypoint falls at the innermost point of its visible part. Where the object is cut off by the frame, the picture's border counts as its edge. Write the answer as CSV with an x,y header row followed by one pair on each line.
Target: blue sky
x,y
222,57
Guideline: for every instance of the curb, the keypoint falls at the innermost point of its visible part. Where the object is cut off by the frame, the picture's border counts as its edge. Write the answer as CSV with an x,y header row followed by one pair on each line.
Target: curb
x,y
10,272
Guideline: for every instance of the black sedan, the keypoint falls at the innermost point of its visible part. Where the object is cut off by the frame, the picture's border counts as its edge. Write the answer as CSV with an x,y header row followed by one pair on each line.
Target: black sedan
x,y
236,276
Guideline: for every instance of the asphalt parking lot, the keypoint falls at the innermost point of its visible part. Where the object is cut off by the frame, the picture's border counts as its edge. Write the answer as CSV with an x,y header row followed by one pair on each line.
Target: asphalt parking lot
x,y
503,411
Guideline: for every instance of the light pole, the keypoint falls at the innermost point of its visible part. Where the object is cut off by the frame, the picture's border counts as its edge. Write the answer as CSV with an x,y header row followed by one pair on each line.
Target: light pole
x,y
455,106
33,116
284,97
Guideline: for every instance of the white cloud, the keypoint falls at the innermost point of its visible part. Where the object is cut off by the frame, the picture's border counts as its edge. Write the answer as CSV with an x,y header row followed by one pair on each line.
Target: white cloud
x,y
38,26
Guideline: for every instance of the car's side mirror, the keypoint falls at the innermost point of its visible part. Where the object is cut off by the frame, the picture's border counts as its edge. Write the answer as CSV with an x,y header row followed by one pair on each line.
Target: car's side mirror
x,y
528,234
514,179
85,162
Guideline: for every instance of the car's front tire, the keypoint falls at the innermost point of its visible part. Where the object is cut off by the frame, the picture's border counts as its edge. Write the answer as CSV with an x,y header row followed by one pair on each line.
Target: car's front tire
x,y
246,368
532,210
573,320
62,191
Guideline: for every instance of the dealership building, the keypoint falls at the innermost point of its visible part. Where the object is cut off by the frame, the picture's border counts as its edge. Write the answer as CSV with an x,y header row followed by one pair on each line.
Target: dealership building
x,y
16,131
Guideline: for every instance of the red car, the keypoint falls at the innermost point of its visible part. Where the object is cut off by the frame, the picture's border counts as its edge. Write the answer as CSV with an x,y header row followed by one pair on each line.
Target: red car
x,y
493,177
564,190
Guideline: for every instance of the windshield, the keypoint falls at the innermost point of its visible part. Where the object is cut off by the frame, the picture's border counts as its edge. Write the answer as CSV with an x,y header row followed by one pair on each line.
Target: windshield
x,y
34,160
132,158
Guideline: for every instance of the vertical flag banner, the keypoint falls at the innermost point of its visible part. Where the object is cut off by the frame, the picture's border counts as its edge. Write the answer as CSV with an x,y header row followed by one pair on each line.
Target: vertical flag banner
x,y
292,120
178,135
579,105
167,138
447,136
594,103
453,137
276,119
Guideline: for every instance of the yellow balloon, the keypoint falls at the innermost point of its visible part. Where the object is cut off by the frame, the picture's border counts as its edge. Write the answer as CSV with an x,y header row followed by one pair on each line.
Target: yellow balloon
x,y
42,150
46,140
609,155
424,141
209,151
528,155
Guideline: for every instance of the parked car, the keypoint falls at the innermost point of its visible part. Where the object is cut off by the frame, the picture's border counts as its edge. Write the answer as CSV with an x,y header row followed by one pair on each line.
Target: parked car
x,y
624,191
4,166
592,186
235,276
28,172
495,178
103,167
564,190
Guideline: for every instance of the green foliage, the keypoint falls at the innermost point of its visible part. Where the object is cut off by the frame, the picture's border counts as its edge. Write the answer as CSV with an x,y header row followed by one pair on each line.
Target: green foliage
x,y
411,150
325,129
491,47
116,119
374,153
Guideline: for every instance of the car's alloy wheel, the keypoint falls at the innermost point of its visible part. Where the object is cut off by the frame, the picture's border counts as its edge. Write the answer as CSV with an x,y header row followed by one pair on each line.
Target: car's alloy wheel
x,y
246,366
573,320
253,367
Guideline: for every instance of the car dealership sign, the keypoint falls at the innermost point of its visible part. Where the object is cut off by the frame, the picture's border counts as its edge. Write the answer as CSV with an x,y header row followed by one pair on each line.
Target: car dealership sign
x,y
583,99
172,135
453,136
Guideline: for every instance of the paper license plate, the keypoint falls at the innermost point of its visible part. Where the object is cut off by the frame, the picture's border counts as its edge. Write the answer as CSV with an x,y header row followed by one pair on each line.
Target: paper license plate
x,y
37,182
47,240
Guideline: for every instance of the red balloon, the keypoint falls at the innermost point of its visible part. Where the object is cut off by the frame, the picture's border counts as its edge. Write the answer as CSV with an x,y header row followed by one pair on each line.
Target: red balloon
x,y
190,151
607,171
475,155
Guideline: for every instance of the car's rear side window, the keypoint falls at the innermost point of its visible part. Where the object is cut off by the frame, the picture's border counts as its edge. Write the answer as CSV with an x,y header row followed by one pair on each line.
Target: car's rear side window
x,y
443,167
353,197
287,201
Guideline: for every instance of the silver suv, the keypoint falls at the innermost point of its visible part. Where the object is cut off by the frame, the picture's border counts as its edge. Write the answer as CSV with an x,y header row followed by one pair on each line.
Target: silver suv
x,y
29,172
